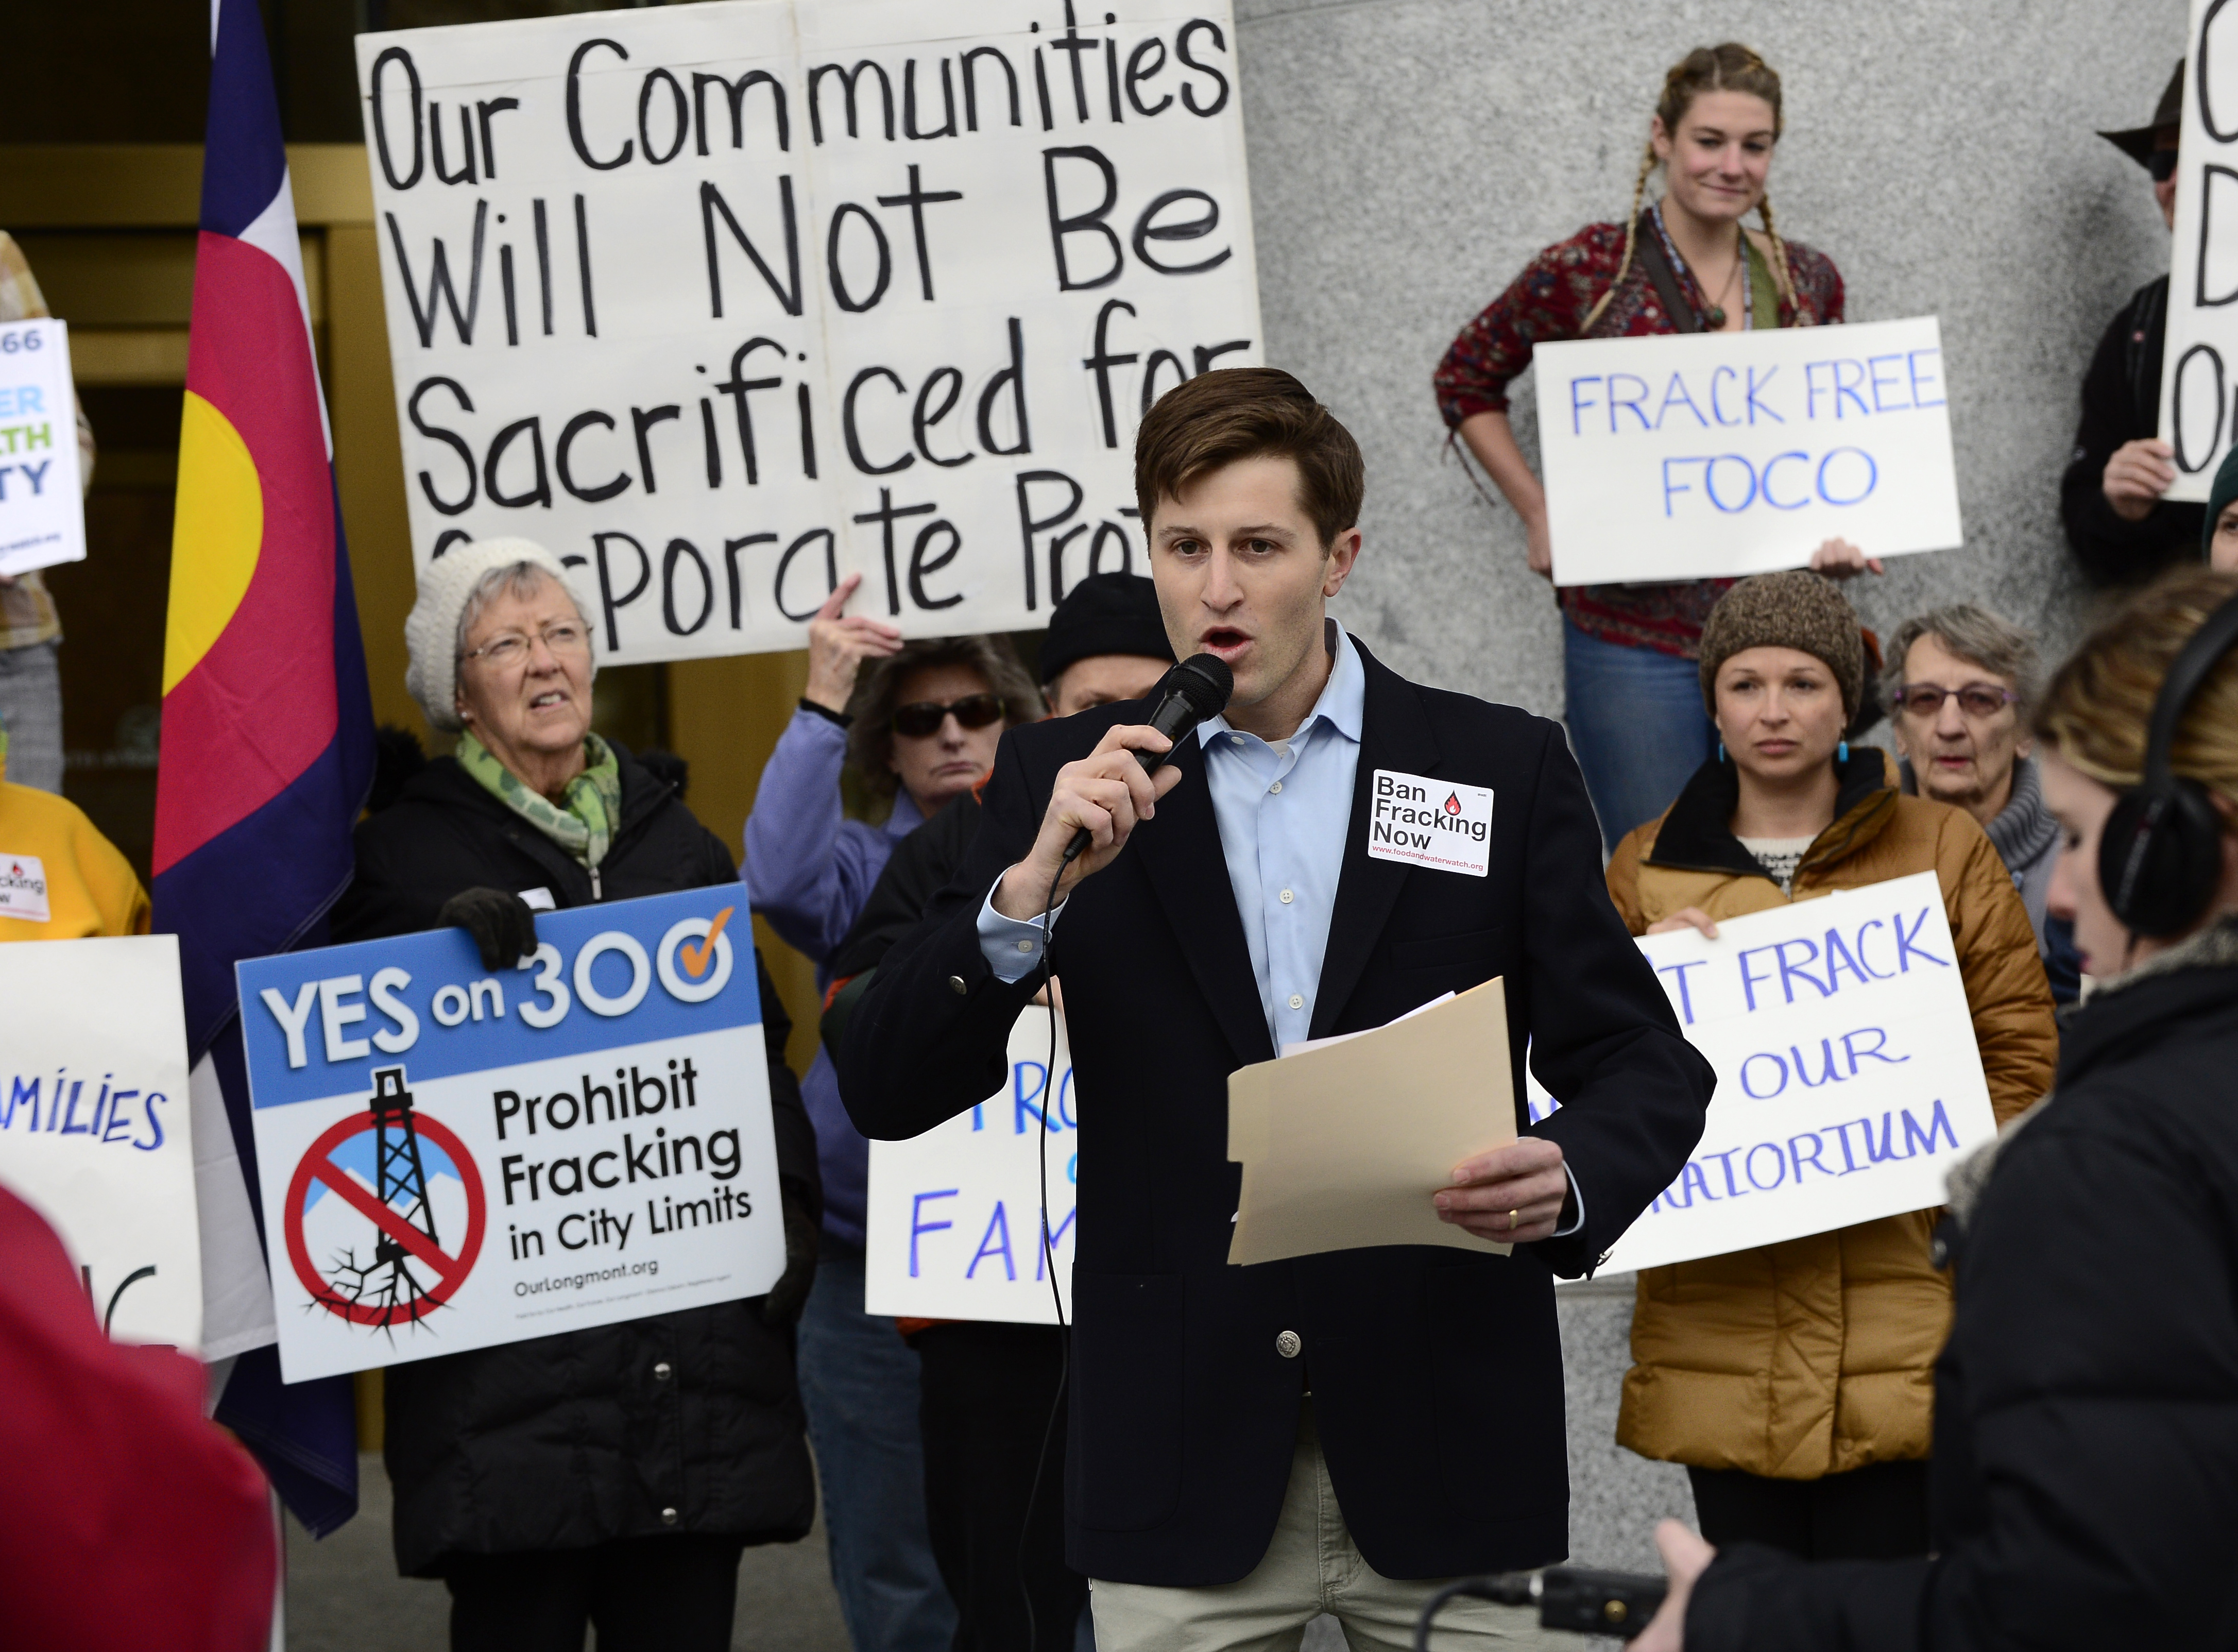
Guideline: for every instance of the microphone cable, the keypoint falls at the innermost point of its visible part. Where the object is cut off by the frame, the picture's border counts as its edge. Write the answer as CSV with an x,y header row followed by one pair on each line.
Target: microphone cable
x,y
1049,1262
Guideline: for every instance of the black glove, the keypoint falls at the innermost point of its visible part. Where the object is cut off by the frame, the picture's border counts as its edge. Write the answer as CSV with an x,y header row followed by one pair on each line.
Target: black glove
x,y
500,922
790,1294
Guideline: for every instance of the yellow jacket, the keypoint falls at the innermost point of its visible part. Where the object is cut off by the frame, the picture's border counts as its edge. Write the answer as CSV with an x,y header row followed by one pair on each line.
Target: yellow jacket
x,y
1816,1356
49,848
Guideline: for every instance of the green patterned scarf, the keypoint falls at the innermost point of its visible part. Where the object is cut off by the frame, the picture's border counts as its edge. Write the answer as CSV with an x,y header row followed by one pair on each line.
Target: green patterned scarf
x,y
586,826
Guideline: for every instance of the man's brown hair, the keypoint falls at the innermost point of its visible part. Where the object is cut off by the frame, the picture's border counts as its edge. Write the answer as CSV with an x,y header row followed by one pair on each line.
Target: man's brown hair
x,y
1232,414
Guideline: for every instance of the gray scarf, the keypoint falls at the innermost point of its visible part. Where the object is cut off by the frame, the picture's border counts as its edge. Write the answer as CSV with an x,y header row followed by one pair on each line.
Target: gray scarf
x,y
2023,828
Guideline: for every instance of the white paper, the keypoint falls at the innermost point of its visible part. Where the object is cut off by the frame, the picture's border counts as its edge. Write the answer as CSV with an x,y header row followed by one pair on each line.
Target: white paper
x,y
94,1123
953,1228
1706,455
971,317
2199,371
41,507
1849,1081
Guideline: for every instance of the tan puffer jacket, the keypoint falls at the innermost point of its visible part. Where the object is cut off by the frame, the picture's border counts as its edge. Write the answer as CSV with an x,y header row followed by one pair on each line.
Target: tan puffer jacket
x,y
1816,1356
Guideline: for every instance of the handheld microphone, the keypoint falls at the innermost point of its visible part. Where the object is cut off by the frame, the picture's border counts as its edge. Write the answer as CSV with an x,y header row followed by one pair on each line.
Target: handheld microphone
x,y
1195,689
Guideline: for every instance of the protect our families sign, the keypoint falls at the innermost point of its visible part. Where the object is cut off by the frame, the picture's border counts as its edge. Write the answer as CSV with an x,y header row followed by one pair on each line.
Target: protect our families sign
x,y
1704,455
94,1132
954,1216
41,507
722,302
2199,373
453,1158
1848,1078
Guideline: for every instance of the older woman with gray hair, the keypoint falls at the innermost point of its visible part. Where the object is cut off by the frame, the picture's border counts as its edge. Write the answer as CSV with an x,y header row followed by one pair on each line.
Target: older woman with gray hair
x,y
609,1476
1958,685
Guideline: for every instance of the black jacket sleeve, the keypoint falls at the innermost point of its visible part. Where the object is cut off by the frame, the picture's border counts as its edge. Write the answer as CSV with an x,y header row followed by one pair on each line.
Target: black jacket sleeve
x,y
796,1137
918,869
1604,1040
930,1036
2110,550
2089,1392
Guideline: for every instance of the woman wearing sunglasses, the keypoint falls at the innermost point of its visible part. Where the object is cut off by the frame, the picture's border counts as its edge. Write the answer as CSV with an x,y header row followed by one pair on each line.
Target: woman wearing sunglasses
x,y
904,727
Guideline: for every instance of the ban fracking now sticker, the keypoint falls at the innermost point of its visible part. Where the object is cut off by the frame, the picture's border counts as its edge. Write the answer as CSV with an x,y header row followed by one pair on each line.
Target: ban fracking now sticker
x,y
1425,822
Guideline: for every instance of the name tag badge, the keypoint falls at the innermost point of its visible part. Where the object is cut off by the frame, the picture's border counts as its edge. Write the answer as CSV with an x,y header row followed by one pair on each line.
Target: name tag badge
x,y
23,888
1430,823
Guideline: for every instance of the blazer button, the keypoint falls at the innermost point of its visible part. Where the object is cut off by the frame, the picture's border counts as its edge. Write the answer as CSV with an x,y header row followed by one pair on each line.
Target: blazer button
x,y
955,985
1288,1343
663,1371
668,1516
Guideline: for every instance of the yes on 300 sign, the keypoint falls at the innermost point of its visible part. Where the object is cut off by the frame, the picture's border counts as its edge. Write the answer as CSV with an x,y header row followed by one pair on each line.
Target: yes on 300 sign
x,y
455,1158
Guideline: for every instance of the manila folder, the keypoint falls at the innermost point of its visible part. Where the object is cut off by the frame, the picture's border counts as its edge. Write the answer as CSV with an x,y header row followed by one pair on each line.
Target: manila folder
x,y
1343,1144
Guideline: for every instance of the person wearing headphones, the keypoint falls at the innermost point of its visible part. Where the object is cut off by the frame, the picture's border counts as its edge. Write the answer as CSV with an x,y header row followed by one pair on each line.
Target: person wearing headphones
x,y
2086,1409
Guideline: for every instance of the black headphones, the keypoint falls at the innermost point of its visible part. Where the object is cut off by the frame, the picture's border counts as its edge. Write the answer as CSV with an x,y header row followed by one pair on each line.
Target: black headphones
x,y
2160,860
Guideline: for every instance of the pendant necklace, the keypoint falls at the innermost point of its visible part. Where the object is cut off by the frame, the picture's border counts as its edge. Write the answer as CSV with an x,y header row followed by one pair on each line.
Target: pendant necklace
x,y
1714,316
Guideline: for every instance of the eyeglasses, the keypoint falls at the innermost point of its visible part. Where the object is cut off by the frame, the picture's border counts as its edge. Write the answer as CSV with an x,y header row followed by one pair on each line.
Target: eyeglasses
x,y
925,716
2162,164
1979,700
563,638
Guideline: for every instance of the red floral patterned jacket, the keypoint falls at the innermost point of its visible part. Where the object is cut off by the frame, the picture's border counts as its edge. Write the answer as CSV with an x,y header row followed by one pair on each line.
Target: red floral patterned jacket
x,y
1548,302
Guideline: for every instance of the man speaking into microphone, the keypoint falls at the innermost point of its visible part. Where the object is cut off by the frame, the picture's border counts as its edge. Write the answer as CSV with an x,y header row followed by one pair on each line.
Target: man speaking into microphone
x,y
1251,1446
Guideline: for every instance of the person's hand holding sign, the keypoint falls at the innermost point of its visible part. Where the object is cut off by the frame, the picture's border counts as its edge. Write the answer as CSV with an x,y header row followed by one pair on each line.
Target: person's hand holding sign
x,y
2136,476
838,643
1105,794
1839,560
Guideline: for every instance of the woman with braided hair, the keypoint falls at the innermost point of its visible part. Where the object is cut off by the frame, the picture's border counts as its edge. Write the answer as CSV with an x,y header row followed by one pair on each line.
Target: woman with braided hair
x,y
1684,264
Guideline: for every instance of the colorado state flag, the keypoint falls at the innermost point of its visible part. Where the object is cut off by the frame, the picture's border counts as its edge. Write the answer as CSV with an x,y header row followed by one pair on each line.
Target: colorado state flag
x,y
268,726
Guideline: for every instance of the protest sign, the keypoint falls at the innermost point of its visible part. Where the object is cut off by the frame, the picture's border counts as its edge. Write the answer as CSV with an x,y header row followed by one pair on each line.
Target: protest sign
x,y
93,1123
1703,454
953,1228
453,1158
1848,1078
41,507
722,302
2198,368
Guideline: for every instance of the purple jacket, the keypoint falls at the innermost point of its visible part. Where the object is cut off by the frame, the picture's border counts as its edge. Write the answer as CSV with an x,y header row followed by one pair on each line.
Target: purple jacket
x,y
809,872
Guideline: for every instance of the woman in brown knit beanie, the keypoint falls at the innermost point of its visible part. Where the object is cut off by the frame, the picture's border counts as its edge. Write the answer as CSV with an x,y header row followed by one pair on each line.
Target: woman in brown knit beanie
x,y
1794,1381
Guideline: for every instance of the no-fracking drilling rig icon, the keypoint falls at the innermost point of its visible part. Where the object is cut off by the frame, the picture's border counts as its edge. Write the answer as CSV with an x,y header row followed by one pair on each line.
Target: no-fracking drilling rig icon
x,y
386,1291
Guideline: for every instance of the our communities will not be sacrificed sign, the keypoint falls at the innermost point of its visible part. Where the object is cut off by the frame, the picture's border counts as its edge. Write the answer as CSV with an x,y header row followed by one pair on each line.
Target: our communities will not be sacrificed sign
x,y
1849,1081
2199,373
1707,455
722,302
453,1158
41,507
954,1216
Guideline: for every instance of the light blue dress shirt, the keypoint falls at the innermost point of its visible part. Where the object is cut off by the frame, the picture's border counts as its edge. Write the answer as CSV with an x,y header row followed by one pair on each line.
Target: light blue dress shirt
x,y
1283,811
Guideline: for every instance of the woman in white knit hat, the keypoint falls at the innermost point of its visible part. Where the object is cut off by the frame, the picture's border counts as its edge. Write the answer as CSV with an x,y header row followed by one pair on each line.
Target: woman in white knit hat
x,y
607,1476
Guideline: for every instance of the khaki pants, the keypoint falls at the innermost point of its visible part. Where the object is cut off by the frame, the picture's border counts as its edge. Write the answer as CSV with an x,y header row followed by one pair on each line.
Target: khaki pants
x,y
1311,1567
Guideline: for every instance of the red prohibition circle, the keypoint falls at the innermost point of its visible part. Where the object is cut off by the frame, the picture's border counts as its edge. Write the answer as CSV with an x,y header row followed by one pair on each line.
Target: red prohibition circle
x,y
451,1271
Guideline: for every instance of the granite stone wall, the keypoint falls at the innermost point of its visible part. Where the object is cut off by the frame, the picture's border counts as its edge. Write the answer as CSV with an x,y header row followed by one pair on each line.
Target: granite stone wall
x,y
1408,156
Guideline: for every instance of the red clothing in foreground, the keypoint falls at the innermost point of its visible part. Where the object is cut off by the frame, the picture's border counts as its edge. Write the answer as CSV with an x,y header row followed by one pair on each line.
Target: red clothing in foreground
x,y
1548,304
127,1521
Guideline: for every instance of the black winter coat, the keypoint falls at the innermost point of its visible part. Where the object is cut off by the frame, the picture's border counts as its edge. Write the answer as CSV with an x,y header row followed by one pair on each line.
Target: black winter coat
x,y
682,1422
2086,1411
2121,403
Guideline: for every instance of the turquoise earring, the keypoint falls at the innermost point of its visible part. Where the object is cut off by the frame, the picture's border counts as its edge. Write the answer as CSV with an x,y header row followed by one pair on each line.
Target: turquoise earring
x,y
1842,752
1721,750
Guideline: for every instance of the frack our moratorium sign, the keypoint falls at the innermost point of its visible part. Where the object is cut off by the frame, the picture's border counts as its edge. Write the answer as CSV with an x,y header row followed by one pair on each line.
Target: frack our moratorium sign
x,y
722,302
1848,1082
453,1158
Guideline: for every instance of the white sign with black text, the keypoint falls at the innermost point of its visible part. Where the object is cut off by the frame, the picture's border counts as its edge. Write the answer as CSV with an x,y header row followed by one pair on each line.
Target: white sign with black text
x,y
953,1228
1707,454
1849,1081
2199,371
722,302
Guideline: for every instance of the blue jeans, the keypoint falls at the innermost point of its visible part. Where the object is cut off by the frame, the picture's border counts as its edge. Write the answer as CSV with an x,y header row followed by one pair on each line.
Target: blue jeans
x,y
1637,725
858,1380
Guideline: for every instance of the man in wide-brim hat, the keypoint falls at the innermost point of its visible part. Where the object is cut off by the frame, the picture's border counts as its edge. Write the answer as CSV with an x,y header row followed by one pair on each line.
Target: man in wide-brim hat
x,y
2122,530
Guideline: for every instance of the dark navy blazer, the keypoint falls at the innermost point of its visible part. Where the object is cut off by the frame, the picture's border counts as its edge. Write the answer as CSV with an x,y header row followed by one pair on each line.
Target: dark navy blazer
x,y
1436,1376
